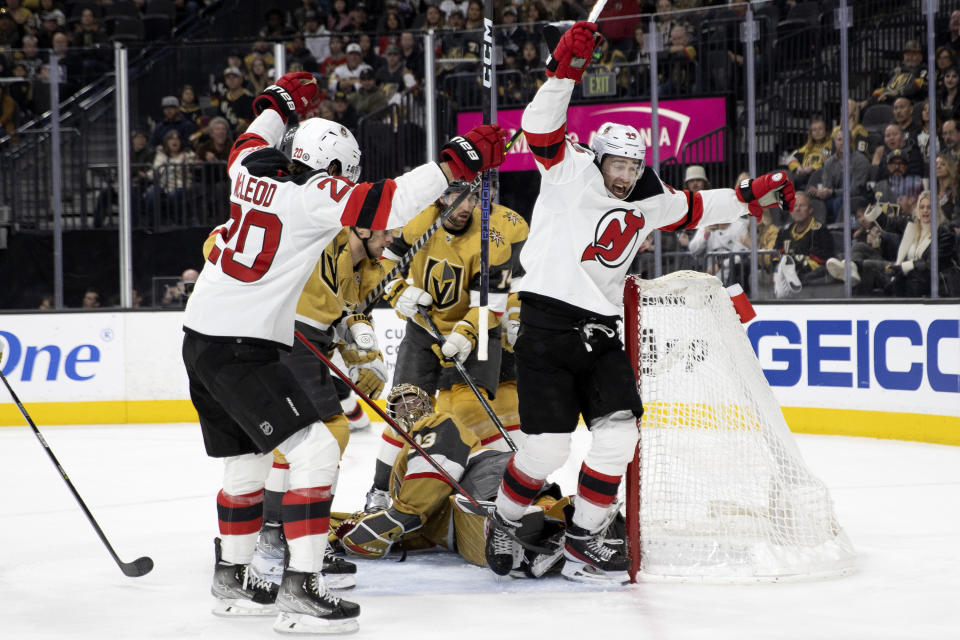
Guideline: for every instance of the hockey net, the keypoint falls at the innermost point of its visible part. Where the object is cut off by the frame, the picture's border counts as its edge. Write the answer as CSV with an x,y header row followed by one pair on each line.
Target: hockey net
x,y
719,491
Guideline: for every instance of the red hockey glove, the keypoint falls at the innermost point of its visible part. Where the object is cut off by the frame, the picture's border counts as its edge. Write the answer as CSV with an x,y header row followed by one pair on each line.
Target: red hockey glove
x,y
574,51
293,93
769,191
479,149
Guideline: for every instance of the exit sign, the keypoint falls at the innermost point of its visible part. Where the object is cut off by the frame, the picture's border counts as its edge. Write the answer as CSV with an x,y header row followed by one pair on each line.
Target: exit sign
x,y
597,85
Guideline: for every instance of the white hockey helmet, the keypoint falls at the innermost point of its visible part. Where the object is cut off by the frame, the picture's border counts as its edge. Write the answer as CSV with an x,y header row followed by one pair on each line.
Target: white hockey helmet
x,y
613,139
318,142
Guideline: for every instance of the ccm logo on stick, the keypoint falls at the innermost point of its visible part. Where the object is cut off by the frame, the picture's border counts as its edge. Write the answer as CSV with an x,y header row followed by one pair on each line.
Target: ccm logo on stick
x,y
899,353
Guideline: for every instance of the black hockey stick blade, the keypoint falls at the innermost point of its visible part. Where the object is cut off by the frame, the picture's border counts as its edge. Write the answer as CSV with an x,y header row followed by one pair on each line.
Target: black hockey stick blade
x,y
139,567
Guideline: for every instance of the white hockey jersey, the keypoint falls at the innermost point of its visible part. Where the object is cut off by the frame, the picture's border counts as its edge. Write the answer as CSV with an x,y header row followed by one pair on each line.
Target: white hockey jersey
x,y
279,226
582,240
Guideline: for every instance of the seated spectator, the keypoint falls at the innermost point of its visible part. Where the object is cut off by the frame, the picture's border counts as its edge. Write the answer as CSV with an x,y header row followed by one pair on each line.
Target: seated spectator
x,y
276,27
214,143
299,57
695,179
898,184
531,71
88,32
412,54
343,112
306,7
950,37
944,59
171,178
189,105
316,36
767,232
339,20
10,31
22,92
367,52
910,273
908,80
360,18
948,96
923,135
91,299
666,19
871,249
141,164
859,136
535,16
346,77
950,133
639,59
173,119
257,77
70,64
903,115
30,57
811,155
337,56
804,239
558,10
895,140
51,21
948,197
261,49
393,76
175,296
368,97
474,16
434,18
730,237
325,110
679,62
830,185
236,103
449,6
390,33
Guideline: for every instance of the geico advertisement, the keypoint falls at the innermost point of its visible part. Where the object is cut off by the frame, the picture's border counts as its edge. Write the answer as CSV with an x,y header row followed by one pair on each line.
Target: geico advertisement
x,y
872,357
62,357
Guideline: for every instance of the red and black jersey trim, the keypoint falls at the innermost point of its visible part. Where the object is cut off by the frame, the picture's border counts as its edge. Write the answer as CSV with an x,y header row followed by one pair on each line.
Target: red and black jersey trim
x,y
245,141
548,148
694,213
369,205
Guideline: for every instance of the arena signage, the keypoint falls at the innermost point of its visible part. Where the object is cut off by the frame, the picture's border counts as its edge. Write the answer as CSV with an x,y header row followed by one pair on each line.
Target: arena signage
x,y
680,121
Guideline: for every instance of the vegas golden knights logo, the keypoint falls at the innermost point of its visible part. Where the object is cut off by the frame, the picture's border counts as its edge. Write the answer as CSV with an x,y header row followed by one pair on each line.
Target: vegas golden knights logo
x,y
328,270
444,281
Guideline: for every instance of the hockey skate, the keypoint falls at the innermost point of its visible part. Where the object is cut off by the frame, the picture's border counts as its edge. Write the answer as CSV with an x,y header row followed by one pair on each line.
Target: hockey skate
x,y
339,573
305,606
502,551
593,557
240,591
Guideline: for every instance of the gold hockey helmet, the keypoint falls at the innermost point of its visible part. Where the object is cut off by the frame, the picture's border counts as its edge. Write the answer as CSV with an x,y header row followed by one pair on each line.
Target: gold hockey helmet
x,y
407,403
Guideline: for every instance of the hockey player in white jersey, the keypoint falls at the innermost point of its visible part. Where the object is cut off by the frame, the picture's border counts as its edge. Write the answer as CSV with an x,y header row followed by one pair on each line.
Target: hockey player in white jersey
x,y
283,213
594,210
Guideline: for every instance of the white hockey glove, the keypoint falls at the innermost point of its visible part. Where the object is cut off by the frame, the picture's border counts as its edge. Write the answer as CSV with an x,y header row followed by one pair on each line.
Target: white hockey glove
x,y
510,322
370,377
358,330
459,343
405,298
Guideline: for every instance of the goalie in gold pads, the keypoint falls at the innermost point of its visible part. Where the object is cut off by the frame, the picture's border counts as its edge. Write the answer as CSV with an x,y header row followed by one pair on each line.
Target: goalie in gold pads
x,y
424,513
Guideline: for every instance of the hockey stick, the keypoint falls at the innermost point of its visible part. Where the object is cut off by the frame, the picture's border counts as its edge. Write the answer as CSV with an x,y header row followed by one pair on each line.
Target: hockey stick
x,y
380,412
424,313
407,257
140,566
489,82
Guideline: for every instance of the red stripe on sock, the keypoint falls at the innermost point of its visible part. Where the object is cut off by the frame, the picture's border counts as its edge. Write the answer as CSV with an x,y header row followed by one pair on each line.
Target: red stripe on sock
x,y
522,478
239,501
281,465
240,528
513,496
599,499
300,528
599,476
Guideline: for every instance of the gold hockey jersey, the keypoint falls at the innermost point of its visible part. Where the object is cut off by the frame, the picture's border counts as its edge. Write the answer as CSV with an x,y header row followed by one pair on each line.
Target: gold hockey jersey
x,y
448,265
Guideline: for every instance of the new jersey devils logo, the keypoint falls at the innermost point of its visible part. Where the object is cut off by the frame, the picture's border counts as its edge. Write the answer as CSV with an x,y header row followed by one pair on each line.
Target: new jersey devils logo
x,y
615,238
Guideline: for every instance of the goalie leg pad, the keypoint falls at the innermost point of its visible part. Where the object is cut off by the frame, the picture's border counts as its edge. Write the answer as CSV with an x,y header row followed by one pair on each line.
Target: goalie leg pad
x,y
375,534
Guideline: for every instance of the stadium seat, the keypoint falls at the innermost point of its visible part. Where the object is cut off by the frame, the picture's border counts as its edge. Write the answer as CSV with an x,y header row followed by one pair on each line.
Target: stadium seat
x,y
126,29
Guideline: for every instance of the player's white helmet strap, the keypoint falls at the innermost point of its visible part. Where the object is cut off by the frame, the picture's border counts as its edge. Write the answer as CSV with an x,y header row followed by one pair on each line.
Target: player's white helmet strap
x,y
318,142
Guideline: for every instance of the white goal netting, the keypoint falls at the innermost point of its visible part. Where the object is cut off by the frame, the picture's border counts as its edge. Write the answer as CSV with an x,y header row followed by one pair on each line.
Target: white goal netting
x,y
724,492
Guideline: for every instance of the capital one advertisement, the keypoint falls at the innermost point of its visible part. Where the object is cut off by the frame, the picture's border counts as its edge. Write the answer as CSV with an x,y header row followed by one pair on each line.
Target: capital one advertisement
x,y
679,123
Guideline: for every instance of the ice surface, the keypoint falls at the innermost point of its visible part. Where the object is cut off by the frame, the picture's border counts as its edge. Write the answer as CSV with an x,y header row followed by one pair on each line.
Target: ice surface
x,y
153,491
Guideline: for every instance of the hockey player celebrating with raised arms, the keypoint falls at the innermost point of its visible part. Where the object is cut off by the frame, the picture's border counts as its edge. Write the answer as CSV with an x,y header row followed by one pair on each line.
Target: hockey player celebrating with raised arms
x,y
240,316
594,210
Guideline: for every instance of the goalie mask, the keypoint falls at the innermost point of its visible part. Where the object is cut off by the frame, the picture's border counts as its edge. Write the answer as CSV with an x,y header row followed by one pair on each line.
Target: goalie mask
x,y
620,141
318,142
407,403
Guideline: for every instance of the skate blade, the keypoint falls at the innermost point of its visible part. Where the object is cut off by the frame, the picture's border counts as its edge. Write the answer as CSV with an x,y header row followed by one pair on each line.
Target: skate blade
x,y
340,581
240,608
587,574
301,623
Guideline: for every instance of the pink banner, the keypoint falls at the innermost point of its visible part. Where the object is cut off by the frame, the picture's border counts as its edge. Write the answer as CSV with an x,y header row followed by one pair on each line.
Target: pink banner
x,y
681,121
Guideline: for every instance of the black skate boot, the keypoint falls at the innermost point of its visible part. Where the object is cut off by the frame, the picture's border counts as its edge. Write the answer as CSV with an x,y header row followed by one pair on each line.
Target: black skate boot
x,y
239,590
306,606
593,557
502,551
338,572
